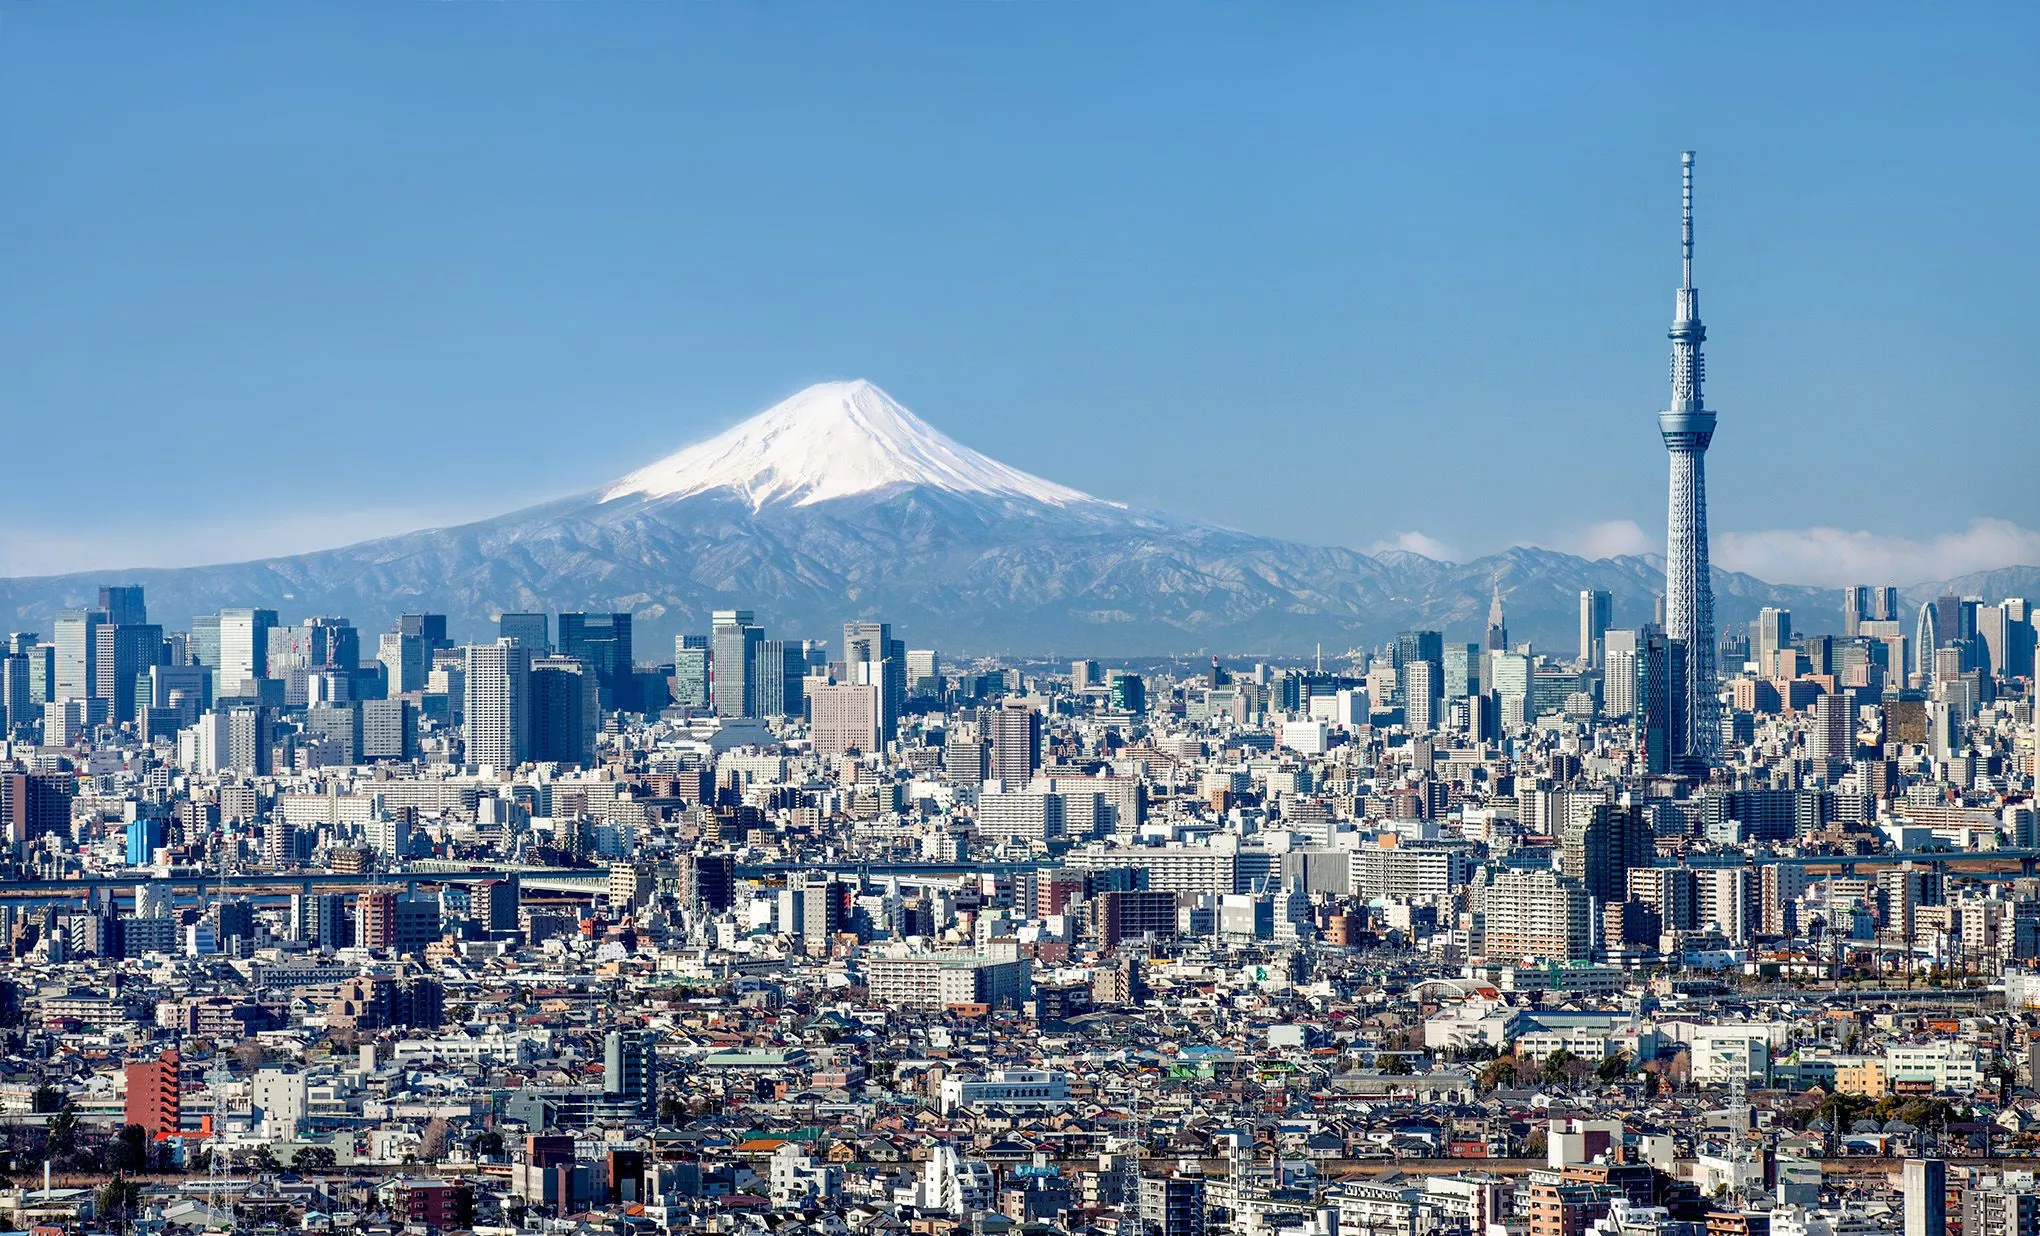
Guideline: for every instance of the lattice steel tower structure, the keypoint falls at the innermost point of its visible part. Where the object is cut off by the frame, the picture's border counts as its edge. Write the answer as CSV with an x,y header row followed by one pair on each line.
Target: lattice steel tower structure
x,y
1688,427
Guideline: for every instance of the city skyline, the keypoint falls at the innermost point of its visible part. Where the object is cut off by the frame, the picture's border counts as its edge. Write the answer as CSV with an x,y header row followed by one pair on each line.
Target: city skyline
x,y
1166,771
1342,305
841,496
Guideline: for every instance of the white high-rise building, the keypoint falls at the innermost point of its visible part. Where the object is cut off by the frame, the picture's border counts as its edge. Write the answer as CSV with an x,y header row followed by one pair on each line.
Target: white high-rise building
x,y
1421,696
77,662
498,705
244,648
1618,673
1596,608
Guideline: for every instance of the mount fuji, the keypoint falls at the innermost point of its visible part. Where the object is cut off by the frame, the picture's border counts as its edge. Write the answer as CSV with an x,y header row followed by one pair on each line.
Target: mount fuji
x,y
839,503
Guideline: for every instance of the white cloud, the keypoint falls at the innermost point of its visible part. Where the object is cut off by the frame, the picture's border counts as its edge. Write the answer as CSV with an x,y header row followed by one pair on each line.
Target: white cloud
x,y
1609,538
1835,557
26,549
1828,557
1416,543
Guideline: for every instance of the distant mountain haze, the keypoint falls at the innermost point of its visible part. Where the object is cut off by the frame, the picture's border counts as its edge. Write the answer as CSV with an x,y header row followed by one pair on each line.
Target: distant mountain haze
x,y
838,503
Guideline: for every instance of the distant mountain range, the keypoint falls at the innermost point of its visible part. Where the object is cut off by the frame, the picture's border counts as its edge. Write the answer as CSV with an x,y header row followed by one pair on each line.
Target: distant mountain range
x,y
839,503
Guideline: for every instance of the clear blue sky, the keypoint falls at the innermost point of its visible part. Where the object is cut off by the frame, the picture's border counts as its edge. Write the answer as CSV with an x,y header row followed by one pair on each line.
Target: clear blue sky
x,y
280,275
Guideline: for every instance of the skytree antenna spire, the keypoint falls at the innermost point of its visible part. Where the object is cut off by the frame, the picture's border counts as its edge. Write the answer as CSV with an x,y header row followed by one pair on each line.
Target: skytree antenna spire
x,y
1686,221
1688,427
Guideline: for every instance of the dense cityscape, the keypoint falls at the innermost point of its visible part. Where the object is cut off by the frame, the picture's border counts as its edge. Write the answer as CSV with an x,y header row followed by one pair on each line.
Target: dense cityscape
x,y
538,932
310,931
602,918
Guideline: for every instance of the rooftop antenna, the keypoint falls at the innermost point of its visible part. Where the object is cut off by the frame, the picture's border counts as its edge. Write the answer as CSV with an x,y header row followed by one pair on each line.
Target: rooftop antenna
x,y
1686,227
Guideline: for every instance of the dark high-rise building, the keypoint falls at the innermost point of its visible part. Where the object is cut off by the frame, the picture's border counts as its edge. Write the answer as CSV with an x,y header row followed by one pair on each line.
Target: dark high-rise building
x,y
1118,916
429,627
1659,713
34,803
123,604
1601,846
124,654
1127,692
566,710
534,631
18,705
602,642
710,879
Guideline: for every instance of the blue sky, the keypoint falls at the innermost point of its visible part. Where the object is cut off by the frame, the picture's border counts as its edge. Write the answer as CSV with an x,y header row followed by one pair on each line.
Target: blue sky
x,y
281,276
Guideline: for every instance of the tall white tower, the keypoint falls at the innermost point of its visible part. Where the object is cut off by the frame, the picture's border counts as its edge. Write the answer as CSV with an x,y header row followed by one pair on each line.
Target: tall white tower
x,y
1688,427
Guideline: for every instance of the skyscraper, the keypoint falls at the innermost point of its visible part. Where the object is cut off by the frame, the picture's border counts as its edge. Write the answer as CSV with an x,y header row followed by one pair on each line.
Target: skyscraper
x,y
1462,670
1497,630
871,654
566,710
733,642
1598,847
1421,698
534,631
123,604
244,648
690,670
124,653
1862,603
1413,648
1688,427
498,705
1618,673
77,661
1660,713
1596,607
1771,632
429,627
1926,640
779,669
602,643
1013,743
407,661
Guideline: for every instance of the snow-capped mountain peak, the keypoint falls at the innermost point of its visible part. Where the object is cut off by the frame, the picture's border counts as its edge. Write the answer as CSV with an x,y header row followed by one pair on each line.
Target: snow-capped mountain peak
x,y
834,440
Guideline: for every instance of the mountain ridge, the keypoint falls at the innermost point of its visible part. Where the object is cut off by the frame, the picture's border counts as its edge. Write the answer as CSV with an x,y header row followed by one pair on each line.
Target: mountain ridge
x,y
957,550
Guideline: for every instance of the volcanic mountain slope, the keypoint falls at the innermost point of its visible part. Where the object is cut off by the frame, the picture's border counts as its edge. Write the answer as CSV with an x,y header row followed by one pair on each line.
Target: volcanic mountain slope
x,y
839,503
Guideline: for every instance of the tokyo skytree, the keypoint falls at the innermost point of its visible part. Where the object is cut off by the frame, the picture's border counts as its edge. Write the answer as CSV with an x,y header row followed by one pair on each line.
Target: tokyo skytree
x,y
1688,427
